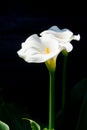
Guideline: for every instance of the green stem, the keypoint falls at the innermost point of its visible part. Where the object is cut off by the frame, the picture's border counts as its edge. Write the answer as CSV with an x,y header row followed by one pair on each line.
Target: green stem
x,y
64,82
51,102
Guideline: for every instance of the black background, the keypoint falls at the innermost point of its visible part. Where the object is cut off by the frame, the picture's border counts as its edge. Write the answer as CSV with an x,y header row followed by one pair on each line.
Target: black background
x,y
28,84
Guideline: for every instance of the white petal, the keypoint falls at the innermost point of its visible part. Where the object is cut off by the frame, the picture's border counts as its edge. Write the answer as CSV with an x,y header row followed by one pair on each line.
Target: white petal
x,y
35,56
61,35
31,42
38,57
75,37
65,32
54,28
34,50
49,42
67,46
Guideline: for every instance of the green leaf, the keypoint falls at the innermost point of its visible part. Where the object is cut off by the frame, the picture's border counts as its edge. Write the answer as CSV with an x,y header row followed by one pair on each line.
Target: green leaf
x,y
34,125
79,105
12,115
45,129
3,126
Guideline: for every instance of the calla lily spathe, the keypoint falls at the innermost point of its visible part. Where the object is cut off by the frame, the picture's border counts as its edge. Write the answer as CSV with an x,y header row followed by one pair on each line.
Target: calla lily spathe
x,y
63,36
39,49
47,46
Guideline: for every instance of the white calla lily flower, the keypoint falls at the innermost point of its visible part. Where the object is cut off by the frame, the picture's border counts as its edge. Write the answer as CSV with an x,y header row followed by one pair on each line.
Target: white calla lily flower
x,y
63,36
40,49
46,48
